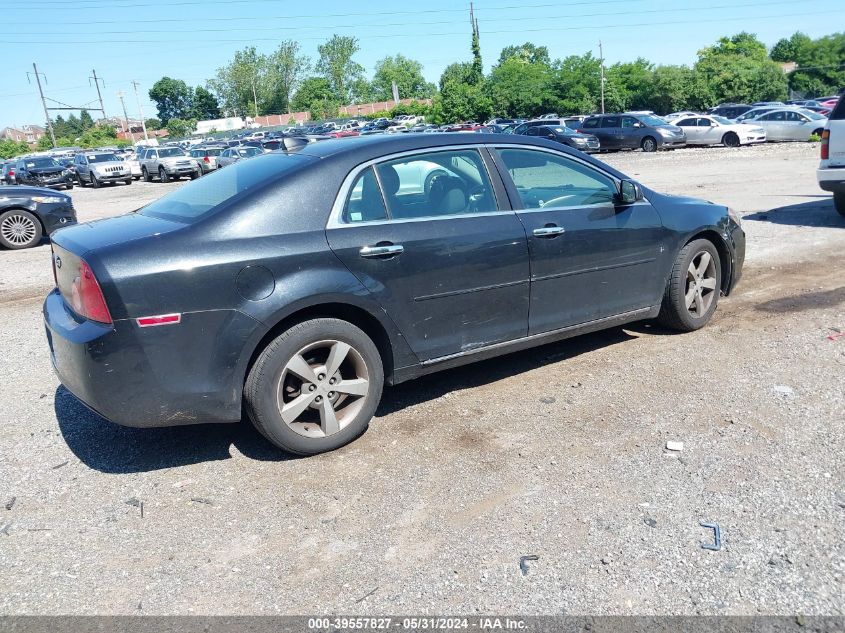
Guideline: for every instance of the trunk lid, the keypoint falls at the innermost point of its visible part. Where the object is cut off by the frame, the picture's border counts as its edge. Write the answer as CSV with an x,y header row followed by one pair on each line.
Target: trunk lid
x,y
82,238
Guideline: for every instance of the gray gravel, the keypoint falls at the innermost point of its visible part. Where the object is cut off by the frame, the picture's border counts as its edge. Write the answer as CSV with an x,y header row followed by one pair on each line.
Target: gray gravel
x,y
557,452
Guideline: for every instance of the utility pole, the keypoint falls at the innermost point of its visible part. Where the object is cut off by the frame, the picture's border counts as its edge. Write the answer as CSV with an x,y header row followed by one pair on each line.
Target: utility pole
x,y
44,103
141,111
254,98
126,117
100,96
601,60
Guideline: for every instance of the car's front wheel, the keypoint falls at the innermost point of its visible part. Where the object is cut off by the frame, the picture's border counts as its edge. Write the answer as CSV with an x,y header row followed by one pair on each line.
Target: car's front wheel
x,y
692,292
162,175
315,387
649,144
731,140
19,229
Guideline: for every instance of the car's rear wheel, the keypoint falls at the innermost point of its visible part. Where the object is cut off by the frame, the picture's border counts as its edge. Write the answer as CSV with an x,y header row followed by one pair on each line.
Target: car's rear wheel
x,y
839,203
315,387
19,229
730,140
649,144
162,175
146,175
692,292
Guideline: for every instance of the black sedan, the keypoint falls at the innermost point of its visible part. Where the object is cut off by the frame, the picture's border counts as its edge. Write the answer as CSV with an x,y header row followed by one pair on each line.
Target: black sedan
x,y
42,171
29,213
294,285
567,136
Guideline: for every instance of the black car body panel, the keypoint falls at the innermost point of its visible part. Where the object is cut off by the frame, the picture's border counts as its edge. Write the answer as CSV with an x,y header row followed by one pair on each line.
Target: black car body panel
x,y
53,215
466,287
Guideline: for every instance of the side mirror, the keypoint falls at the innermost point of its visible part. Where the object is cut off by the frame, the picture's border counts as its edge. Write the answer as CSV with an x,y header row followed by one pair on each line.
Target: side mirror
x,y
638,124
629,193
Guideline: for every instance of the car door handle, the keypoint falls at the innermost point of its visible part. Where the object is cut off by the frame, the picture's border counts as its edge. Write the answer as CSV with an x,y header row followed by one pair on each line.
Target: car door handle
x,y
549,231
382,251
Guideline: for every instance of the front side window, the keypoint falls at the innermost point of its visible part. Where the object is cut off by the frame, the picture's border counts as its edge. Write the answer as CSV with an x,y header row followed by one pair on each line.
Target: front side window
x,y
629,122
703,122
365,202
549,180
436,184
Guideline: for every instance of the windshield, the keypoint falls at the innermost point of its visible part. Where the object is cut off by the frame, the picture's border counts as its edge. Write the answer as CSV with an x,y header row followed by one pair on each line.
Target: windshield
x,y
166,152
722,120
41,161
203,196
101,158
651,120
815,116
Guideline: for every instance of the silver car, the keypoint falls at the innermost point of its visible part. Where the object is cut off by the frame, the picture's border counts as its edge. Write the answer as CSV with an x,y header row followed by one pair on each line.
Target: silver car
x,y
788,124
97,168
234,154
206,157
708,129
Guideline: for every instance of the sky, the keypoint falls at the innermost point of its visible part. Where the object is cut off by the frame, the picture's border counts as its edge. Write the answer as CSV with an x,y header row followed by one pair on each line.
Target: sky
x,y
143,40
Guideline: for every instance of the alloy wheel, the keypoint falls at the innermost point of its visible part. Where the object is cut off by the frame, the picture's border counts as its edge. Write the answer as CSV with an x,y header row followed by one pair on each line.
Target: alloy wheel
x,y
701,284
18,229
322,388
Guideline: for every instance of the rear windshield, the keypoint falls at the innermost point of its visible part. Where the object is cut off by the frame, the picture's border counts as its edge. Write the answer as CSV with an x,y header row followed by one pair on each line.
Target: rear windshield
x,y
205,195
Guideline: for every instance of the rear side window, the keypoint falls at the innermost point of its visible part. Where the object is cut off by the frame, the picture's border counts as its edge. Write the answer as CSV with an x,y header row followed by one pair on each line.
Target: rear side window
x,y
838,113
686,123
611,121
365,202
590,123
203,196
550,180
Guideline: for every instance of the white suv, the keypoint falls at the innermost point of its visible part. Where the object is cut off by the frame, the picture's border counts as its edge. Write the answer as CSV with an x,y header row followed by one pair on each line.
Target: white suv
x,y
831,172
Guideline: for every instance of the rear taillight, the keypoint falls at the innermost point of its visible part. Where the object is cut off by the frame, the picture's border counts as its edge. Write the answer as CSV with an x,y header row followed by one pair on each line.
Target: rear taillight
x,y
205,160
826,145
11,173
87,299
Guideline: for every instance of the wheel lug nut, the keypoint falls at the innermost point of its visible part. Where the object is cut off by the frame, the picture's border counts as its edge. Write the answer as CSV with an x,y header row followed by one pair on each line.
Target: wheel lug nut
x,y
332,381
331,394
319,398
312,387
321,377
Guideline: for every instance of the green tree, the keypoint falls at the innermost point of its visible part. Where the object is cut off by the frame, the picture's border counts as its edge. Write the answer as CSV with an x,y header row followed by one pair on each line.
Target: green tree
x,y
675,88
85,121
152,124
10,148
738,69
178,128
286,68
315,94
477,64
204,105
243,82
172,98
797,46
338,67
521,88
576,83
407,73
527,52
629,85
821,63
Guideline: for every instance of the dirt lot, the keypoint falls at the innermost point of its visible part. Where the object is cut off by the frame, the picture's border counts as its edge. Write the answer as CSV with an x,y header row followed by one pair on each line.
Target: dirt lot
x,y
556,452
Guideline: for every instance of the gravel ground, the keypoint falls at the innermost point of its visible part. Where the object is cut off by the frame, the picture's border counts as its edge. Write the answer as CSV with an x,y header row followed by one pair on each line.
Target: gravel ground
x,y
557,452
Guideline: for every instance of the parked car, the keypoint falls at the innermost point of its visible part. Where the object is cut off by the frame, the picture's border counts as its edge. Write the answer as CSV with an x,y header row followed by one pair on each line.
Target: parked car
x,y
714,130
42,171
673,116
206,157
567,136
293,286
234,154
97,168
523,127
29,213
753,113
831,172
730,110
790,125
632,131
134,165
7,173
168,163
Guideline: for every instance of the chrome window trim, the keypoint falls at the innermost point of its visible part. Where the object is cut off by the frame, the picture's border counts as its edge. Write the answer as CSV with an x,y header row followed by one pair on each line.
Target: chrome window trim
x,y
336,216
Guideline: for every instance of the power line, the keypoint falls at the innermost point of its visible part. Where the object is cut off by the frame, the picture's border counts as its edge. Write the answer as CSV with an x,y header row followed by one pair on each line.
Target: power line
x,y
766,3
580,27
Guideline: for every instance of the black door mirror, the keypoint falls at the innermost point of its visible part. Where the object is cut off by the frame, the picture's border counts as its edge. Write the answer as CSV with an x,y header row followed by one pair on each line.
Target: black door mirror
x,y
629,193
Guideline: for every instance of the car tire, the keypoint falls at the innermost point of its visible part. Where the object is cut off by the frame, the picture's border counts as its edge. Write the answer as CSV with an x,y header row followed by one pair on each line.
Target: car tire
x,y
69,186
695,282
128,181
196,174
315,424
162,175
19,229
839,203
731,140
649,144
79,181
94,182
146,175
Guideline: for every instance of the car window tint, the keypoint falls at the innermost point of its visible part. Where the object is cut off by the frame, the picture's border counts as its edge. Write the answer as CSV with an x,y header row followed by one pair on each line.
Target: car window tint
x,y
543,179
686,123
436,184
629,121
590,123
364,202
702,122
611,121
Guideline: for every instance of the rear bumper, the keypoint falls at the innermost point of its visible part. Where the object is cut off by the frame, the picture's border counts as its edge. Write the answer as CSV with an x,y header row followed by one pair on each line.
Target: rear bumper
x,y
149,377
831,179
